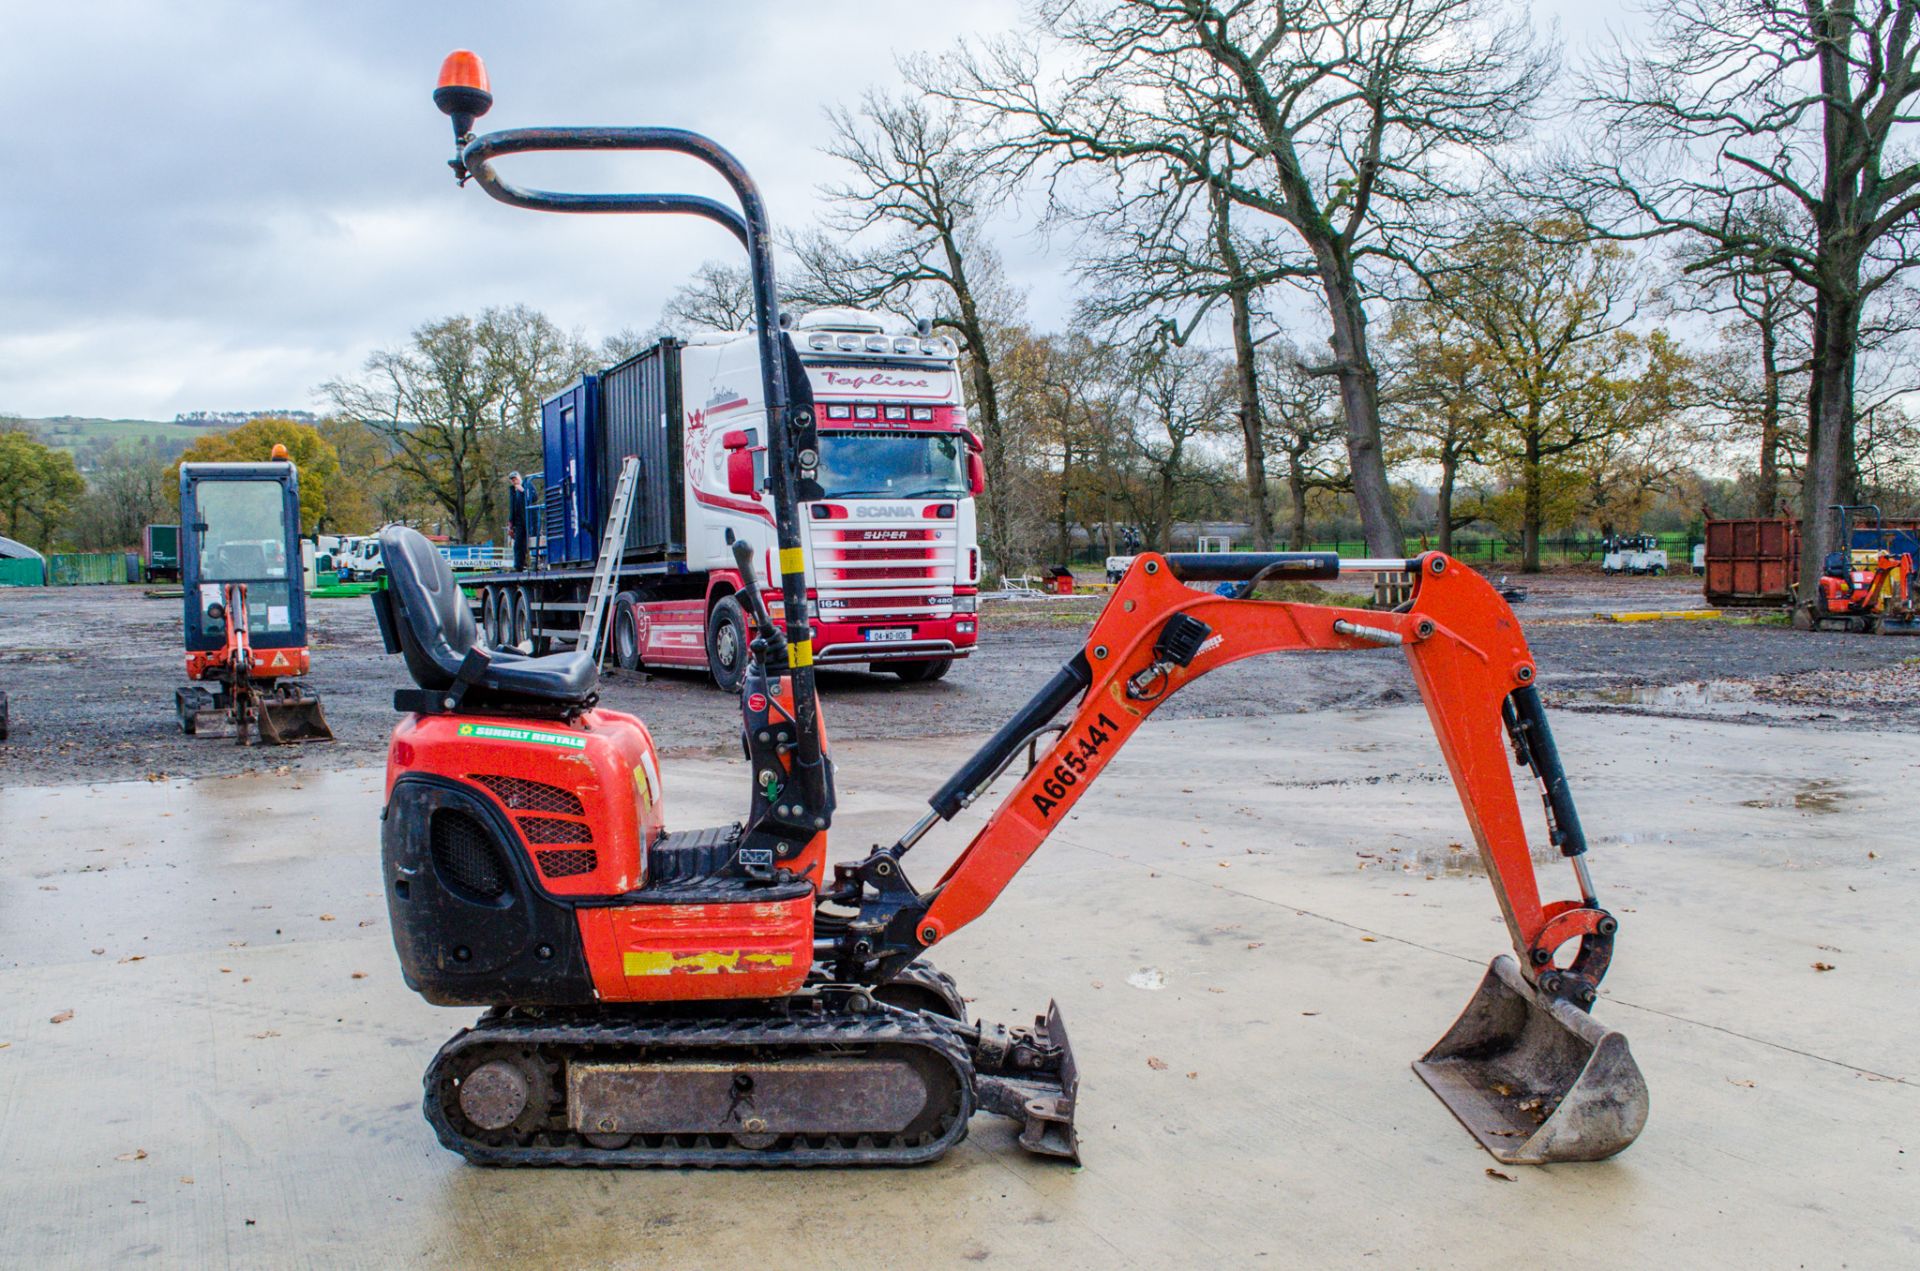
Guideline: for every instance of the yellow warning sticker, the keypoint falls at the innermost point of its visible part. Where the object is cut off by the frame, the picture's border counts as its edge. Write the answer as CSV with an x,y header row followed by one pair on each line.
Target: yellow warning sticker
x,y
800,653
712,962
793,560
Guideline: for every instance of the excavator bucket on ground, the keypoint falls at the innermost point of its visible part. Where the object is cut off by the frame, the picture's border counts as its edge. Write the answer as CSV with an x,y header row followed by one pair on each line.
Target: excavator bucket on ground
x,y
1535,1078
289,717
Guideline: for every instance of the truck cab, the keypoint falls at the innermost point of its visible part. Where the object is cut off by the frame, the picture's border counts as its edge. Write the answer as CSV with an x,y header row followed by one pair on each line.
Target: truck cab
x,y
892,552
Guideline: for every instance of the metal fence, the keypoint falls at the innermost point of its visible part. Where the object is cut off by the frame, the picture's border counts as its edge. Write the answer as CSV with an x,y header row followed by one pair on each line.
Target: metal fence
x,y
1566,550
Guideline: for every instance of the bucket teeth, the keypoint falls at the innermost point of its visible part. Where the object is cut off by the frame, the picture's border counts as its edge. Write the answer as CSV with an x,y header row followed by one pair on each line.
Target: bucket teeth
x,y
1534,1078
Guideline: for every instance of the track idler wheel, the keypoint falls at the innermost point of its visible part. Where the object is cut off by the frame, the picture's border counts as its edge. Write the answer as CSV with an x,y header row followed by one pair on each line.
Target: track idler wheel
x,y
503,1091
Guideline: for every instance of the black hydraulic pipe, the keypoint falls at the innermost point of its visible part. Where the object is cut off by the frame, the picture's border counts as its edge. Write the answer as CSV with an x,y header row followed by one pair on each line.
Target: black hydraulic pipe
x,y
1070,681
1528,719
1220,567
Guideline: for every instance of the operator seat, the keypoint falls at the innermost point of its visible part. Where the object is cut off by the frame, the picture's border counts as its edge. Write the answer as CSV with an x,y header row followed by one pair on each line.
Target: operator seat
x,y
427,620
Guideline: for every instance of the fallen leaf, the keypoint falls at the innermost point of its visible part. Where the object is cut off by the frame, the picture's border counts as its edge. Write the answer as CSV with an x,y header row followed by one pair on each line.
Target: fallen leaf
x,y
1738,1082
187,1179
263,1036
1193,1076
61,1018
226,970
359,975
1156,1063
1873,856
98,952
1255,944
1309,1012
1505,1178
1211,989
4,1045
138,1154
133,957
1823,966
1370,939
1099,984
326,917
366,922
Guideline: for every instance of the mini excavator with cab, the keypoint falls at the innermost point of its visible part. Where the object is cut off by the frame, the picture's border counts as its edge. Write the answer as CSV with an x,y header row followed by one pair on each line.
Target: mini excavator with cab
x,y
729,996
246,605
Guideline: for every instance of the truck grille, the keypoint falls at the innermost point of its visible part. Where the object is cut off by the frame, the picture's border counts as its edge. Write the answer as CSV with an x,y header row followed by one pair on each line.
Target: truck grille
x,y
898,570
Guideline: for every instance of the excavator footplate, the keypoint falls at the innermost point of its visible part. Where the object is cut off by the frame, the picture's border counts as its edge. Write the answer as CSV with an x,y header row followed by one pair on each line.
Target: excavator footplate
x,y
1535,1079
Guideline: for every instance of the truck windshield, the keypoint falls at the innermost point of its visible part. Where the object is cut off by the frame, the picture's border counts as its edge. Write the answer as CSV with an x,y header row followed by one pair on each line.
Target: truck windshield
x,y
245,539
893,465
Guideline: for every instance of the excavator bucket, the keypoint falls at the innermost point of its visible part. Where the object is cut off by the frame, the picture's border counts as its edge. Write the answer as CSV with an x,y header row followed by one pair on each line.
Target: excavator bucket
x,y
285,720
1536,1079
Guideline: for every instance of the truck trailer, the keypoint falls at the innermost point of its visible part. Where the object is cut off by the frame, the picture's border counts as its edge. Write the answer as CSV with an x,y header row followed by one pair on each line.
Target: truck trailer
x,y
892,553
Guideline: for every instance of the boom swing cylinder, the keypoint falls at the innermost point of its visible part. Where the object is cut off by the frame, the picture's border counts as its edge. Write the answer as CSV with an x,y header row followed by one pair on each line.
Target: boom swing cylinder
x,y
705,998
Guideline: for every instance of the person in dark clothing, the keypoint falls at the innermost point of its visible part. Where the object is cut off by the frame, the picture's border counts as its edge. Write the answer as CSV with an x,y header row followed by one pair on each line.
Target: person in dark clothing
x,y
517,518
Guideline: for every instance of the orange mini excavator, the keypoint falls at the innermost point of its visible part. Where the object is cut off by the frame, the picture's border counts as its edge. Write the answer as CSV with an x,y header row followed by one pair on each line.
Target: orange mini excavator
x,y
731,996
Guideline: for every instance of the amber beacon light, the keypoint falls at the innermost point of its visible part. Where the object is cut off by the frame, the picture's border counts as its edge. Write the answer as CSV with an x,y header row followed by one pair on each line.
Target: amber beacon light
x,y
462,93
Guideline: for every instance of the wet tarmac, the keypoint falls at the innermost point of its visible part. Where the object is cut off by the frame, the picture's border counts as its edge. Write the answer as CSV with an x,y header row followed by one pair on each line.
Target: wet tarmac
x,y
207,1057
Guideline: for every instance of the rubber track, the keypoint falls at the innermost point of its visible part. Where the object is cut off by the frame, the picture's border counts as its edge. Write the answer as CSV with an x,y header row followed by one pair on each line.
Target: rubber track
x,y
835,1032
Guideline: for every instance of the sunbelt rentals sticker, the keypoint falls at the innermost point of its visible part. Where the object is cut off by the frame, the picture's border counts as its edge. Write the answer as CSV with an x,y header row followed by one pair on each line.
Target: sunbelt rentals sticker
x,y
492,732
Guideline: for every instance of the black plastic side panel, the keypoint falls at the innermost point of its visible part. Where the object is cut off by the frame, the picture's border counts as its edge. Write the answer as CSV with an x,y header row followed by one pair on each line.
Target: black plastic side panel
x,y
458,948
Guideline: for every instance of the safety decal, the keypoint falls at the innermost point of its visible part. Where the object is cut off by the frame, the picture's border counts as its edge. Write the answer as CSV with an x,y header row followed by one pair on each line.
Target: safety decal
x,y
711,962
492,732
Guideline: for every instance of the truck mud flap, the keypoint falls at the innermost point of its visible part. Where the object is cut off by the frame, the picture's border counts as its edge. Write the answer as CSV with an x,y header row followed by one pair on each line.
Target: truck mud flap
x,y
1533,1078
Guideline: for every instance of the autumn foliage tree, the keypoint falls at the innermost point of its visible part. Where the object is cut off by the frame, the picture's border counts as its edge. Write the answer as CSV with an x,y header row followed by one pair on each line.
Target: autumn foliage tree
x,y
314,457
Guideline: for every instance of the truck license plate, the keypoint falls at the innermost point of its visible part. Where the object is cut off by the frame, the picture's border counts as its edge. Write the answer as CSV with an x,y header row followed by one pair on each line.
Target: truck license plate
x,y
888,633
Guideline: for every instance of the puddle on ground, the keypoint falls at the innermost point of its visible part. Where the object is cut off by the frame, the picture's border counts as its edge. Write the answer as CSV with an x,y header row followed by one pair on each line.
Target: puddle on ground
x,y
1445,860
1731,699
1818,795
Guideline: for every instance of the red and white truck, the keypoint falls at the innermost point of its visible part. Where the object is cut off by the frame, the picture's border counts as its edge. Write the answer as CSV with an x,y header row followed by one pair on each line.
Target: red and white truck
x,y
892,553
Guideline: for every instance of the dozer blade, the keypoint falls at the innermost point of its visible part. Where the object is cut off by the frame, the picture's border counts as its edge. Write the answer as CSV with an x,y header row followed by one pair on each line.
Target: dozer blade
x,y
1536,1079
286,720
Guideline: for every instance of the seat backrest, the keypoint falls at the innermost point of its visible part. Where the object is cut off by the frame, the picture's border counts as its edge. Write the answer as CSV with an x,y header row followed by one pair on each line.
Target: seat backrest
x,y
435,627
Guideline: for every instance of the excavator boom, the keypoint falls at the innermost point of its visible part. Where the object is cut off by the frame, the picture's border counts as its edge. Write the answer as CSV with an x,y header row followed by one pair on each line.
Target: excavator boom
x,y
1524,1053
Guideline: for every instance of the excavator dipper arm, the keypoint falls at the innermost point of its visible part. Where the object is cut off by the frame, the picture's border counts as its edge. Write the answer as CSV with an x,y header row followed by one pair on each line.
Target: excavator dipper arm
x,y
1475,674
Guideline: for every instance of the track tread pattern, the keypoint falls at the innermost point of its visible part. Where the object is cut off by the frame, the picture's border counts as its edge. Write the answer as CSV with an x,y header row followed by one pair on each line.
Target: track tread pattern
x,y
833,1031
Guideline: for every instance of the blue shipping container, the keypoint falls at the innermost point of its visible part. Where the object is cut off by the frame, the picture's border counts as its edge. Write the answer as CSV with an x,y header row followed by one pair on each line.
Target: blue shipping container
x,y
569,426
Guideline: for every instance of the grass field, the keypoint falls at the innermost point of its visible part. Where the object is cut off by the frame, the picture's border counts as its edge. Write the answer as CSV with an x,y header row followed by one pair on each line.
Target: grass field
x,y
72,432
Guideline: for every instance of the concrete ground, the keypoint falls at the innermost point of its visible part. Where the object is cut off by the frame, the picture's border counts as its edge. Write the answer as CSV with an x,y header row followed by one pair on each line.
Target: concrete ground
x,y
1252,926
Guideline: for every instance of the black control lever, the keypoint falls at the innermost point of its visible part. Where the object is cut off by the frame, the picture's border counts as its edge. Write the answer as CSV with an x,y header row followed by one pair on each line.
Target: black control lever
x,y
770,641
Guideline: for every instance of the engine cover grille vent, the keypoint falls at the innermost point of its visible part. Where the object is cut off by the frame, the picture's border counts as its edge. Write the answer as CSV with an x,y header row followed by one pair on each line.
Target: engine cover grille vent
x,y
522,795
465,855
545,829
565,864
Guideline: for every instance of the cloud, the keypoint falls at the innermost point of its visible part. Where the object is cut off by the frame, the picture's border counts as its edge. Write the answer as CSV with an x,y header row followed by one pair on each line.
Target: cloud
x,y
221,205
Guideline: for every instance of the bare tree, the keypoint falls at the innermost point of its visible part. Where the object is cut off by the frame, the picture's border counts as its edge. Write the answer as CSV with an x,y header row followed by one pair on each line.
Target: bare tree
x,y
1726,104
460,404
1176,400
1302,414
1165,253
905,233
1355,115
720,298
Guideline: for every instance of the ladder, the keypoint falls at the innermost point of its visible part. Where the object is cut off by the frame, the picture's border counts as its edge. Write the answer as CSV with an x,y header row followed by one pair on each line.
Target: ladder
x,y
597,623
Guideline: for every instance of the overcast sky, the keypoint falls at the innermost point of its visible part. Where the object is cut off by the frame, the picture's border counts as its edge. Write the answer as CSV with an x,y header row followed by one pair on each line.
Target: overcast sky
x,y
219,206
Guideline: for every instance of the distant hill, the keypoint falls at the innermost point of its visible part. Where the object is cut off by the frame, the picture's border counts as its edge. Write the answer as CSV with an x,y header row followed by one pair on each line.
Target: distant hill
x,y
77,433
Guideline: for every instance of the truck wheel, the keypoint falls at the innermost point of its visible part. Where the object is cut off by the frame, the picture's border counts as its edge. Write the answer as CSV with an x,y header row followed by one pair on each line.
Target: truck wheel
x,y
922,672
626,632
727,644
522,618
1658,570
490,616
